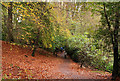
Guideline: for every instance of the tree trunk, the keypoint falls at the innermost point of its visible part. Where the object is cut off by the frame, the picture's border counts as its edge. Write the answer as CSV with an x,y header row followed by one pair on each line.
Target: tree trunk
x,y
36,43
119,66
108,23
9,25
114,39
115,45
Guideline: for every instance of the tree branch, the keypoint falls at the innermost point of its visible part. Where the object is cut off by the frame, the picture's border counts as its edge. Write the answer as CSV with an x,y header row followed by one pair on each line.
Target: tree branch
x,y
3,5
108,23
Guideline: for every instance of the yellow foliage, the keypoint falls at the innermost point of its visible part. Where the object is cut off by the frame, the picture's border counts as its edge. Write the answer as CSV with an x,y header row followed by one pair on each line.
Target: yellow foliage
x,y
52,38
26,46
22,35
50,45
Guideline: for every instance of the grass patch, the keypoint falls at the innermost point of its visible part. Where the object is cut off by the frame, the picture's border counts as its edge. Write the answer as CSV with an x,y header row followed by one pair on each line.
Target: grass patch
x,y
98,72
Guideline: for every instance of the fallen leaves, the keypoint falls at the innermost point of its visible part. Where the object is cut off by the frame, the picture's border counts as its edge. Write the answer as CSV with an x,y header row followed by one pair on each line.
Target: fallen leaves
x,y
16,65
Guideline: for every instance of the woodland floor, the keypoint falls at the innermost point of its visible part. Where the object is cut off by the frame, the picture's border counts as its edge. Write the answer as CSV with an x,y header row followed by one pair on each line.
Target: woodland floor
x,y
43,66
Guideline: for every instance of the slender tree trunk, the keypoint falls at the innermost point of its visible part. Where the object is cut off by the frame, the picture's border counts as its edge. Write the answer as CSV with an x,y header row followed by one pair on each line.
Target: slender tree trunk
x,y
115,45
115,41
108,23
119,66
9,25
36,43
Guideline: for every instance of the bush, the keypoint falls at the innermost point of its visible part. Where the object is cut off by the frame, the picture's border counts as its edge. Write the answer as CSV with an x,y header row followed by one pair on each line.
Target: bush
x,y
85,51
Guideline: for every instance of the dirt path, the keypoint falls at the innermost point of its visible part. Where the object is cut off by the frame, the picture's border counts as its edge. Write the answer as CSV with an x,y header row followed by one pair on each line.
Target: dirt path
x,y
66,69
72,70
43,66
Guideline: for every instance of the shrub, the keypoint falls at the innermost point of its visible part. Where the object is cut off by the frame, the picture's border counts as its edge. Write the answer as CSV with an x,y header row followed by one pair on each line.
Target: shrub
x,y
88,52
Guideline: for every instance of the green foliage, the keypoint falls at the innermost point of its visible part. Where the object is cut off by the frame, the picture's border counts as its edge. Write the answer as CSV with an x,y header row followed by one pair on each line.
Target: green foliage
x,y
50,25
88,52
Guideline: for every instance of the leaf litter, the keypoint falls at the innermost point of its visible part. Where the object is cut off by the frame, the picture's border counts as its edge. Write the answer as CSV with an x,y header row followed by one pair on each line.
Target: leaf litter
x,y
16,65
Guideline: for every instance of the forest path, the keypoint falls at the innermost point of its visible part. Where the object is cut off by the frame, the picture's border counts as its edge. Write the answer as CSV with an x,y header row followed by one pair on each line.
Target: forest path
x,y
67,68
17,62
72,70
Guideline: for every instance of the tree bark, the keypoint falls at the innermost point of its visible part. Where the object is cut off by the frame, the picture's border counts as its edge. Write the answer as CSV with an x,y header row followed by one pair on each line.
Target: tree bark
x,y
9,25
36,43
115,45
114,39
108,23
